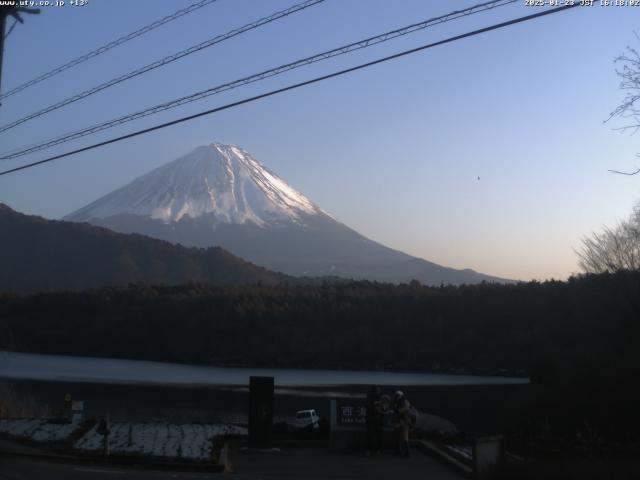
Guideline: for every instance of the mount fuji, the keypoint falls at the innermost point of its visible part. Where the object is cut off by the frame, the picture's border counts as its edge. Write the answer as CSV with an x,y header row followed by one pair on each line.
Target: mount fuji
x,y
219,195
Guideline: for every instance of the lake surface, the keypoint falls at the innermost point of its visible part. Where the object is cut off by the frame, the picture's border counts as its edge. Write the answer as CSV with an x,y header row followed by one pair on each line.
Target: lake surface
x,y
27,366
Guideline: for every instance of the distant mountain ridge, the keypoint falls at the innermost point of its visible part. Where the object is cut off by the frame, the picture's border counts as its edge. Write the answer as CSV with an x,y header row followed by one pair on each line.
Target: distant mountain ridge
x,y
40,254
220,195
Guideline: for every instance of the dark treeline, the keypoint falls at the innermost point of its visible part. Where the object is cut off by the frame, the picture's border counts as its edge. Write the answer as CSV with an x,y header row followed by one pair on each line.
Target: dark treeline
x,y
578,340
345,325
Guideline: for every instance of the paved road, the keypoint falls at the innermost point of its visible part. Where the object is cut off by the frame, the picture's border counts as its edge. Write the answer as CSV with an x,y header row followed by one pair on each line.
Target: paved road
x,y
297,463
17,468
316,464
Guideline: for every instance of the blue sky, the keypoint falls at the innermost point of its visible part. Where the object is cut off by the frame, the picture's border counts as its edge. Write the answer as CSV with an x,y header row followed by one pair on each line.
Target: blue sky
x,y
394,151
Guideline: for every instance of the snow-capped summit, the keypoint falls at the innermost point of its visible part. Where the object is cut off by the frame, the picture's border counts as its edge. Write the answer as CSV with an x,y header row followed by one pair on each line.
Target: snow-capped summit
x,y
222,180
219,195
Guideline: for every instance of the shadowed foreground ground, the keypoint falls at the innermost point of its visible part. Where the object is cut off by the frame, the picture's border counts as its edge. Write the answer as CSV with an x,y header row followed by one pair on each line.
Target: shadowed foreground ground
x,y
306,463
25,468
298,463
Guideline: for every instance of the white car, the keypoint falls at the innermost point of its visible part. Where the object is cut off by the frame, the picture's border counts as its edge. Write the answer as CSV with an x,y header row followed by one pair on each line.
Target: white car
x,y
305,418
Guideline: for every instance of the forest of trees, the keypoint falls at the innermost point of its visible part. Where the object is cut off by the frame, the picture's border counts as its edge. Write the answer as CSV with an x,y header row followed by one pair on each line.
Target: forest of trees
x,y
578,340
354,324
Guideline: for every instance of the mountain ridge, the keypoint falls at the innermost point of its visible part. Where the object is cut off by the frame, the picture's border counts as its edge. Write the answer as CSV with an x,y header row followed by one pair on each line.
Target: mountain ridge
x,y
42,254
220,195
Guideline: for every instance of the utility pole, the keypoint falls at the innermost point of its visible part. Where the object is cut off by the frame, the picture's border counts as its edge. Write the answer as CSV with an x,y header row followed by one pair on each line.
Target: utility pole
x,y
3,20
10,11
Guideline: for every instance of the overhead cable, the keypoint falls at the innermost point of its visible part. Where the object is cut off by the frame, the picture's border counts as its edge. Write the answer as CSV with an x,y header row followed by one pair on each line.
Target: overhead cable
x,y
162,62
104,48
367,42
294,86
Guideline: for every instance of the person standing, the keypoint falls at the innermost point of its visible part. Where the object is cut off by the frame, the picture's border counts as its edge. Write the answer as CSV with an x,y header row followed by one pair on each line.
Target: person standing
x,y
402,423
375,420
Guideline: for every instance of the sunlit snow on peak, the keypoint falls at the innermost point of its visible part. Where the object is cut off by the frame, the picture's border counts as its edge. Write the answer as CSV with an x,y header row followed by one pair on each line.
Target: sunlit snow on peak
x,y
222,180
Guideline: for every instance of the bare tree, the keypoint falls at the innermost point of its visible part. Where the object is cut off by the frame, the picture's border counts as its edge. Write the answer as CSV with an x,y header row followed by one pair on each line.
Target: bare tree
x,y
628,69
618,248
613,250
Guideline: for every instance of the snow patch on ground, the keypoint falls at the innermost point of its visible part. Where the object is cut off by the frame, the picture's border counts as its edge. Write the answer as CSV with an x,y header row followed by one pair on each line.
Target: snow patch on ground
x,y
436,424
462,450
38,430
187,441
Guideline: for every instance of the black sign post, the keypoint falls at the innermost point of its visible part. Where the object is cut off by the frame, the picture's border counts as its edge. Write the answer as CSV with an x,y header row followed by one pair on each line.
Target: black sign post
x,y
67,406
260,411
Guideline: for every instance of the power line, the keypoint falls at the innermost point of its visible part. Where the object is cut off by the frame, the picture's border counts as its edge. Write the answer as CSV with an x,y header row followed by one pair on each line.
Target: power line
x,y
256,77
94,53
165,61
298,85
295,86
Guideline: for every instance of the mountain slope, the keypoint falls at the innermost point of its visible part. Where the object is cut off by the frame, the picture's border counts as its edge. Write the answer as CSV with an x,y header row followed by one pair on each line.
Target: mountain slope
x,y
220,195
220,180
39,254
